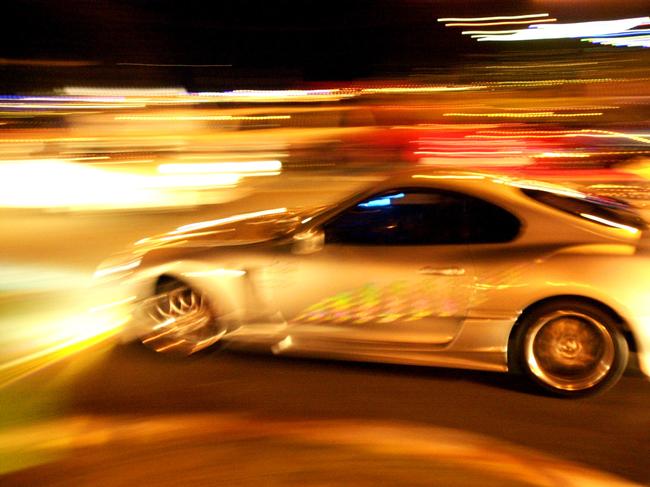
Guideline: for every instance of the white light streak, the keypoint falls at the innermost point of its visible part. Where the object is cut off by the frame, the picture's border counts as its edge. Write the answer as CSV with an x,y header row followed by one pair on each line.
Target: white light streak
x,y
570,31
229,219
610,223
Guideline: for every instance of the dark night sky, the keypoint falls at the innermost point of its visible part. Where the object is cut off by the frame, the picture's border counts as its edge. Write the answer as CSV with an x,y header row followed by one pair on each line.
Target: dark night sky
x,y
325,39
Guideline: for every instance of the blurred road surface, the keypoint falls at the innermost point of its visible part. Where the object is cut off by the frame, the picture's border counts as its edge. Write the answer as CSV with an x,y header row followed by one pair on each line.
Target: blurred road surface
x,y
47,261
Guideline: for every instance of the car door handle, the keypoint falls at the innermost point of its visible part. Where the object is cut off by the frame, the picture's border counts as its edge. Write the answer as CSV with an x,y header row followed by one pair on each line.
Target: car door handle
x,y
442,271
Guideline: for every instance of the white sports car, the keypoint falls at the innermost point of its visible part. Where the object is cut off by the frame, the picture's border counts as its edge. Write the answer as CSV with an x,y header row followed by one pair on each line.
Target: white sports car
x,y
431,268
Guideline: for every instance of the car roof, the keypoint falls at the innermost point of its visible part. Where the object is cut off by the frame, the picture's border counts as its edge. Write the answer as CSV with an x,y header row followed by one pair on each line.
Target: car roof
x,y
457,178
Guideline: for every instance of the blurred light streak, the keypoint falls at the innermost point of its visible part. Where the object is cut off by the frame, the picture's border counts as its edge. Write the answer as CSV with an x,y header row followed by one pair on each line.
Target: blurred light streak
x,y
172,118
467,32
541,186
508,22
562,155
499,17
478,161
89,158
229,219
524,115
543,134
6,140
222,167
610,223
70,106
113,304
466,153
626,33
115,91
193,181
177,65
53,183
629,41
73,334
107,271
448,176
99,99
583,107
276,95
569,31
113,162
421,89
535,65
39,113
552,82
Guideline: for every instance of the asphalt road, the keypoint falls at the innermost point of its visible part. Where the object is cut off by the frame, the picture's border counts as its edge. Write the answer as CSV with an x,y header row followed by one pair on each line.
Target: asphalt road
x,y
610,432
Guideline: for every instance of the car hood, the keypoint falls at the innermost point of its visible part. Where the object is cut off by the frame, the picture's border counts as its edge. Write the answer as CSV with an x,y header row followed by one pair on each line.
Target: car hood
x,y
241,229
235,230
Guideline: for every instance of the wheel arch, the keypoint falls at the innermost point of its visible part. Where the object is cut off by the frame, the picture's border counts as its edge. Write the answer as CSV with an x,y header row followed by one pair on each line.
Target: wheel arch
x,y
617,319
165,278
224,295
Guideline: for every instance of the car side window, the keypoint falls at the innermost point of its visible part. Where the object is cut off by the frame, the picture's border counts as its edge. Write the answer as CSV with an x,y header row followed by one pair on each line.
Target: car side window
x,y
417,216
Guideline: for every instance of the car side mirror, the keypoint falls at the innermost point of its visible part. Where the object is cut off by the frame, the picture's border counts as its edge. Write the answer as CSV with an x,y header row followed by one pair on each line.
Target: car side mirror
x,y
308,242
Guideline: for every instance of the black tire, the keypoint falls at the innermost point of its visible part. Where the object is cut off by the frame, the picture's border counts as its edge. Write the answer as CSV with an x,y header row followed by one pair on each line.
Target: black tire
x,y
182,320
569,348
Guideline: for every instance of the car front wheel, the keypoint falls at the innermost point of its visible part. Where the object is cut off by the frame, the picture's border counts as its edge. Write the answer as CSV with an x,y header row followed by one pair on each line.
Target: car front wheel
x,y
570,348
181,320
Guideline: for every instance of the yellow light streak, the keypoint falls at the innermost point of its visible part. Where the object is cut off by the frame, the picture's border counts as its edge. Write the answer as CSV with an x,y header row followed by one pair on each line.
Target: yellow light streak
x,y
485,24
463,153
89,331
91,158
171,345
448,176
551,109
422,89
536,65
71,106
524,115
498,17
183,118
52,139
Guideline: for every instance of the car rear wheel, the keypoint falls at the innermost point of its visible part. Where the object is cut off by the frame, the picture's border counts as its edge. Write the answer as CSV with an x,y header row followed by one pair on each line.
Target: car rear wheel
x,y
181,320
570,348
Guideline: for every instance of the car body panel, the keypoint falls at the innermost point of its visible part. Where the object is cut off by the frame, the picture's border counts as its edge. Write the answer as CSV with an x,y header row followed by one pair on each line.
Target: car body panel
x,y
379,303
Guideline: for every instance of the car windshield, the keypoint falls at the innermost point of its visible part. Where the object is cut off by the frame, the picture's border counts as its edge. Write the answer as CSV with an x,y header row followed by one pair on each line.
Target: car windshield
x,y
606,211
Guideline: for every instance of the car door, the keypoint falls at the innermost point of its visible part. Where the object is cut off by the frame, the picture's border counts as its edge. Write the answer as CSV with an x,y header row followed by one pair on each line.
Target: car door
x,y
394,269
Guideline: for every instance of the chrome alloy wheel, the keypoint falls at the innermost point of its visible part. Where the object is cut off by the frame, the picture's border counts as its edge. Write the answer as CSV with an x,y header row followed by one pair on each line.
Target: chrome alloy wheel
x,y
181,321
569,350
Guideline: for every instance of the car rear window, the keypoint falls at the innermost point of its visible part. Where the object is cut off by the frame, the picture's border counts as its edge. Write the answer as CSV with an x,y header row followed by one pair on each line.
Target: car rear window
x,y
606,211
